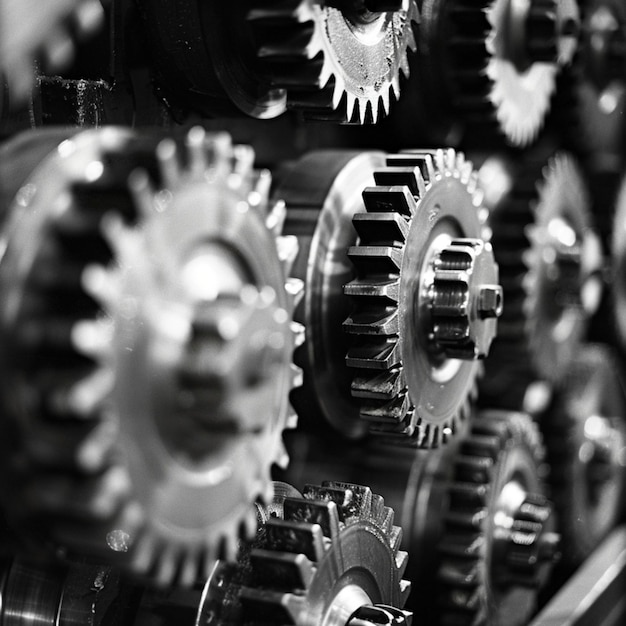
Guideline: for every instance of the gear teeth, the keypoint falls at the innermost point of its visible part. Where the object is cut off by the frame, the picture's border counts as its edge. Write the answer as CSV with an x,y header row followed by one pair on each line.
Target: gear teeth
x,y
378,228
295,537
380,356
275,220
394,199
374,322
396,176
360,504
321,513
283,569
385,386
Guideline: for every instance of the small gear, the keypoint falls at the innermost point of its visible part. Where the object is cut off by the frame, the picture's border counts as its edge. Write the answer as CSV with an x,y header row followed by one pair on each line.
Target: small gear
x,y
585,437
331,552
322,192
32,31
170,359
338,60
500,59
551,265
426,297
498,544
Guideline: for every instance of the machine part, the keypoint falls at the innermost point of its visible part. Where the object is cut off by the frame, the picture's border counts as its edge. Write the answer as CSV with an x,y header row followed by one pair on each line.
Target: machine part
x,y
618,264
426,297
322,192
585,437
33,31
551,266
128,304
329,556
338,60
497,61
498,544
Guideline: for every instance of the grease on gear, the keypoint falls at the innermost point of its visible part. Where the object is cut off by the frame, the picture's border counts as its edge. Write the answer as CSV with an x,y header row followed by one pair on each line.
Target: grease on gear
x,y
426,297
197,296
328,556
337,60
498,544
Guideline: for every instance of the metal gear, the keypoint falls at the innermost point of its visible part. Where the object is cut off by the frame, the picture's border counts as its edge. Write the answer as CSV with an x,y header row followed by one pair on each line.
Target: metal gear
x,y
585,437
551,269
329,556
618,264
501,58
498,543
174,296
338,59
426,297
322,192
31,31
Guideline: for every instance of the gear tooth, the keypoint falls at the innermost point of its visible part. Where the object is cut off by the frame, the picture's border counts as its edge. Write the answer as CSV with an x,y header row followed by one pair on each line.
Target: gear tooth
x,y
377,228
323,513
275,220
397,176
383,386
167,156
391,413
287,247
375,322
459,574
295,288
389,199
282,457
359,504
143,550
281,570
297,376
374,289
382,355
402,560
378,259
295,537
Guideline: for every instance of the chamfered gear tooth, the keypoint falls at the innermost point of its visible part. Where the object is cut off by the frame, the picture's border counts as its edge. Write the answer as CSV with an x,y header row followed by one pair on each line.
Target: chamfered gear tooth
x,y
508,513
308,49
295,570
398,253
141,258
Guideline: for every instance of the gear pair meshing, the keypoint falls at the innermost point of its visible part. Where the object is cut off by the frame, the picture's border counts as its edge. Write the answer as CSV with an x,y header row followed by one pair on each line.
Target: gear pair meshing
x,y
135,317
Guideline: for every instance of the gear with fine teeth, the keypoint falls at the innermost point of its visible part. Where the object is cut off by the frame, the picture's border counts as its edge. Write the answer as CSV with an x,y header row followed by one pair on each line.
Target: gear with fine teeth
x,y
498,545
172,360
426,297
34,31
328,555
338,60
500,59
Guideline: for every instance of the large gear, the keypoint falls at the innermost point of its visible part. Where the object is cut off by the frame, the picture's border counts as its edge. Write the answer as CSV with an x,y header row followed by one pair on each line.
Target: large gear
x,y
500,59
618,264
551,264
585,437
173,296
31,30
426,297
322,192
328,556
498,543
337,60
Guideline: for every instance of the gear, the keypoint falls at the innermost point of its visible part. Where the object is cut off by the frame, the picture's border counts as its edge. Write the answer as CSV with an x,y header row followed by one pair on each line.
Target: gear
x,y
176,304
550,262
498,543
500,59
426,296
322,192
330,555
337,60
585,438
31,31
618,262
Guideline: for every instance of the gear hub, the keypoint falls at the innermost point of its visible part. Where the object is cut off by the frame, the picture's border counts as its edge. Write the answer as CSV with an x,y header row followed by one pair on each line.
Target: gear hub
x,y
426,289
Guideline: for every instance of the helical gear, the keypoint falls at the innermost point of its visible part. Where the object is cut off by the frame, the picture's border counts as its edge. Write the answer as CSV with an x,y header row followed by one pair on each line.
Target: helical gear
x,y
502,59
337,60
31,31
198,292
585,437
498,544
426,295
550,262
331,551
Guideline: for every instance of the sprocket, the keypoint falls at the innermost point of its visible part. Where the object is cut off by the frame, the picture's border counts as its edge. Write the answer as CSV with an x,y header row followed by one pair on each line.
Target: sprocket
x,y
426,297
175,288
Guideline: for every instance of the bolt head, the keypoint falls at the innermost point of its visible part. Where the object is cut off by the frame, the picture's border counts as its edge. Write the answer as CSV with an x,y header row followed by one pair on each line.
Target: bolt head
x,y
490,300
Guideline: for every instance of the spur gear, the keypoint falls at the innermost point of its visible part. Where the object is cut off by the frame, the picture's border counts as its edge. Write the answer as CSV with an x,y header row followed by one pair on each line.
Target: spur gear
x,y
499,59
338,60
498,544
322,192
585,437
169,362
32,30
426,297
327,557
551,264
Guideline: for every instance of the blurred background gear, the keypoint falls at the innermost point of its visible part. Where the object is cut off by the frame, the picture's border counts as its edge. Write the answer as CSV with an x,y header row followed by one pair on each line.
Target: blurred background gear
x,y
498,544
146,338
32,31
426,297
618,266
495,62
551,267
322,191
585,437
327,556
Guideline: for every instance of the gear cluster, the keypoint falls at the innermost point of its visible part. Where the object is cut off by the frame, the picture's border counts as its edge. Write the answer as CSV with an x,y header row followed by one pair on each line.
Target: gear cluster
x,y
312,312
